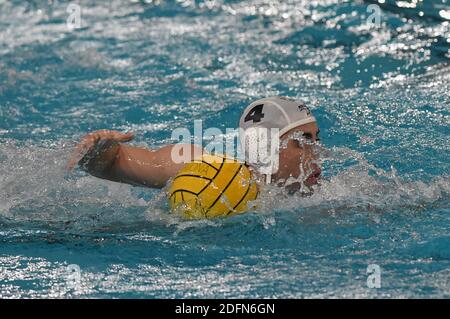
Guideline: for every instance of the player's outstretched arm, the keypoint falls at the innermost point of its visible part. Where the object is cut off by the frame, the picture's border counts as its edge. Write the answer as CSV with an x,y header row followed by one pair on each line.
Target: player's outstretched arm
x,y
103,154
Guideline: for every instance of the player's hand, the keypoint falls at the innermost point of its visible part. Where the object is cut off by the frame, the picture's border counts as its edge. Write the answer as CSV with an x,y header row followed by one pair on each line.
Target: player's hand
x,y
89,141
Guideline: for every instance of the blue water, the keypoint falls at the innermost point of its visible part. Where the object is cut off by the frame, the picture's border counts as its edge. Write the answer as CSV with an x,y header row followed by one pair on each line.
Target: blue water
x,y
381,94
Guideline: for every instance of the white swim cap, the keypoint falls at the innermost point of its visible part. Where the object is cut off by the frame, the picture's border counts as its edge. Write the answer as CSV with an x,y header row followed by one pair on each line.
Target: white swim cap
x,y
274,112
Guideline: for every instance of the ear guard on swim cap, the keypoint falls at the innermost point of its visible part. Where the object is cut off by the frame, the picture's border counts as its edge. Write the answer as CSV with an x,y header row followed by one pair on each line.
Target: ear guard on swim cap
x,y
275,112
260,147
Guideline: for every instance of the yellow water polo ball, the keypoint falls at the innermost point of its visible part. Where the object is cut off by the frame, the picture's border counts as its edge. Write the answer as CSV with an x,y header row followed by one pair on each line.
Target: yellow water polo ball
x,y
212,186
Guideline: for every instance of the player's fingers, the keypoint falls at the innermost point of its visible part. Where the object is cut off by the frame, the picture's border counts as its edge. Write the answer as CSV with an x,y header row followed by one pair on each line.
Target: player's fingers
x,y
89,141
80,151
120,137
76,156
126,137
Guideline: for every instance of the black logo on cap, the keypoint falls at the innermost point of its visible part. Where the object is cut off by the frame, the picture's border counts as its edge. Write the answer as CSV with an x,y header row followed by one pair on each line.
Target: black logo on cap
x,y
304,108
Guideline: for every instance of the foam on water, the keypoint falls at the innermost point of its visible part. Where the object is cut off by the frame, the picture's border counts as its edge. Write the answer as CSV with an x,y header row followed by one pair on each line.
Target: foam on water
x,y
37,189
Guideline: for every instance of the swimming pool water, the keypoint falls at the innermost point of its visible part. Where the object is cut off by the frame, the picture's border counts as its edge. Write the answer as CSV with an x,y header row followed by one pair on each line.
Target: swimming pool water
x,y
381,97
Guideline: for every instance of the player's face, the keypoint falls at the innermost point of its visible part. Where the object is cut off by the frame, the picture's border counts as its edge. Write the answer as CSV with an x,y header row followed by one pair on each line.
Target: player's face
x,y
297,155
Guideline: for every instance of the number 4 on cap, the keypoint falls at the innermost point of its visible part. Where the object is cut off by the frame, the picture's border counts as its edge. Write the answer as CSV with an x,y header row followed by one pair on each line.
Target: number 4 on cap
x,y
255,114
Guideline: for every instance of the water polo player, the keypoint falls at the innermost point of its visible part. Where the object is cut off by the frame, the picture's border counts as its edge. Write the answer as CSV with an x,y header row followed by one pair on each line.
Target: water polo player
x,y
103,153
